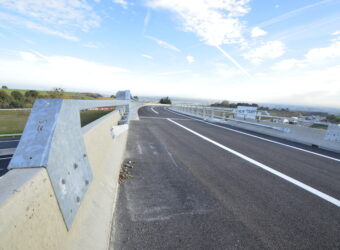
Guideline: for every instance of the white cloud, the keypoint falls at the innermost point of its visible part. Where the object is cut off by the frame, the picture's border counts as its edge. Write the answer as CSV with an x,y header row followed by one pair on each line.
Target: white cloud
x,y
256,32
315,87
49,31
164,44
336,33
147,56
123,3
33,68
190,59
215,22
318,54
270,50
222,70
28,56
285,64
314,56
35,26
58,12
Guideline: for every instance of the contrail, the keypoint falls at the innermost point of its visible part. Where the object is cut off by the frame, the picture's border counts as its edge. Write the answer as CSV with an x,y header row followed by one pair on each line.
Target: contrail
x,y
146,21
291,13
233,60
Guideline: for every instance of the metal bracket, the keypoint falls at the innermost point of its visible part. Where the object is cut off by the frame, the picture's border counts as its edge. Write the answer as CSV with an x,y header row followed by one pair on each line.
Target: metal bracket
x,y
53,139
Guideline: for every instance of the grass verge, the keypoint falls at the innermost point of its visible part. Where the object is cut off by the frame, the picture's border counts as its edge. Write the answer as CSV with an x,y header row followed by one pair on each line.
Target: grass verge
x,y
13,121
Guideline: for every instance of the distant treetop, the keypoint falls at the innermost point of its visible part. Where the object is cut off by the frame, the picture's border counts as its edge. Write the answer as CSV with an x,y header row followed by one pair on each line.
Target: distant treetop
x,y
165,100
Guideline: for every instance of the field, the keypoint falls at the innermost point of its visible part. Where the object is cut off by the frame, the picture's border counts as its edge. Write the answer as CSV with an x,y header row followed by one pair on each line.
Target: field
x,y
13,121
88,116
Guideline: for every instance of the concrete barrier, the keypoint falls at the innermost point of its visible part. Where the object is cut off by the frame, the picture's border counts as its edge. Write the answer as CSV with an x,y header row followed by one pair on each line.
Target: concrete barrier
x,y
295,133
29,214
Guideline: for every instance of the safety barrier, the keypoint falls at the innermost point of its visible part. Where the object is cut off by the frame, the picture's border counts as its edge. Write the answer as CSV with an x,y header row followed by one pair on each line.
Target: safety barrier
x,y
321,138
61,190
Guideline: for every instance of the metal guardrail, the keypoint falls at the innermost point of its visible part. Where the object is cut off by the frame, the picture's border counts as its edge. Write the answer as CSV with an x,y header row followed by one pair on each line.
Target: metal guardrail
x,y
10,135
19,109
52,139
210,113
260,114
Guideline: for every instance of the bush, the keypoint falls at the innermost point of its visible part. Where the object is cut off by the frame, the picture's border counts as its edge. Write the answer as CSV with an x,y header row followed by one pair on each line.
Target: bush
x,y
17,95
57,93
5,100
93,95
31,93
16,104
165,100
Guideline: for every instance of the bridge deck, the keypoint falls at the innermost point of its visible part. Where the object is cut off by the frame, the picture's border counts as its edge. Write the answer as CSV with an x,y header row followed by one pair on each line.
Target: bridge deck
x,y
188,193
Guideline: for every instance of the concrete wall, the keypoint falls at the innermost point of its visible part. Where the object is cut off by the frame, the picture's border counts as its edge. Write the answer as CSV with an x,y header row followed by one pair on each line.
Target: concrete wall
x,y
29,214
305,135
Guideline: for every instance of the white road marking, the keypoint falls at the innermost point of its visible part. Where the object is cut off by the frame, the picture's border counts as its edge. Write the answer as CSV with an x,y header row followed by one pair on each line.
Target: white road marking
x,y
268,169
9,141
154,111
261,138
163,118
139,148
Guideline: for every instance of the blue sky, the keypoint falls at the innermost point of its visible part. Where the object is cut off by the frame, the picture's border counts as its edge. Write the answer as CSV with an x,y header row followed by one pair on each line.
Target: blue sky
x,y
279,51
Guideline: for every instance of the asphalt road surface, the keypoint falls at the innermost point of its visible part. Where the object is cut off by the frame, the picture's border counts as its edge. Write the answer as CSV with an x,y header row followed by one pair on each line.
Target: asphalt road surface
x,y
6,143
9,142
199,186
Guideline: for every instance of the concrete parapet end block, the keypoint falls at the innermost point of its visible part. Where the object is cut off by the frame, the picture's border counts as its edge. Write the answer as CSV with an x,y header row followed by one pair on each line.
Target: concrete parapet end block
x,y
29,213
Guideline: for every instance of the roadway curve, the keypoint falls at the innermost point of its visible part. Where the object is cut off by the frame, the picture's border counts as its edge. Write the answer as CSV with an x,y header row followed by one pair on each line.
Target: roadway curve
x,y
186,192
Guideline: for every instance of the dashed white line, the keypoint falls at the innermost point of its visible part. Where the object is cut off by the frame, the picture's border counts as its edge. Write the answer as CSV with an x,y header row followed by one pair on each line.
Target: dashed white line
x,y
261,138
266,168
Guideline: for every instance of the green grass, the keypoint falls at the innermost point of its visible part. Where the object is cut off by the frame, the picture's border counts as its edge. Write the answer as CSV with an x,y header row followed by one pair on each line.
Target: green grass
x,y
13,121
89,116
284,113
319,126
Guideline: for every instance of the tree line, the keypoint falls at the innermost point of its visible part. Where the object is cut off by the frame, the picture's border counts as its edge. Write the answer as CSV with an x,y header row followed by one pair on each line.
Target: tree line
x,y
25,99
17,99
227,104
